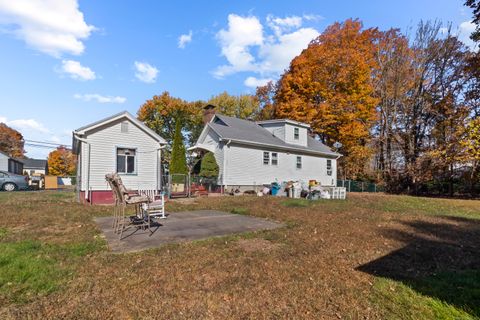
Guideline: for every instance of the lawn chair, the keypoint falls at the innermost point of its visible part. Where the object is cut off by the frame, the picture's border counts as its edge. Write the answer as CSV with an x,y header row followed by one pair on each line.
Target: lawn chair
x,y
116,196
156,207
125,198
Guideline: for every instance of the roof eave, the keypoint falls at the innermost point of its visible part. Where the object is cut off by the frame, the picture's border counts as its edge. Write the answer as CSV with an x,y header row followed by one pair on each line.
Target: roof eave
x,y
83,130
309,151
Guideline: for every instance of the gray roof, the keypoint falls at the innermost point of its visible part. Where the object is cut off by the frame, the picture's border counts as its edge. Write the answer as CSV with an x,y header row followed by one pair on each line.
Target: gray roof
x,y
34,163
123,114
12,158
249,132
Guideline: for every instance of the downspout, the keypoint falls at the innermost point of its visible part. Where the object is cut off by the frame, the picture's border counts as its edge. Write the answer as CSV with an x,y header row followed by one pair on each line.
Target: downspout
x,y
159,171
225,165
87,182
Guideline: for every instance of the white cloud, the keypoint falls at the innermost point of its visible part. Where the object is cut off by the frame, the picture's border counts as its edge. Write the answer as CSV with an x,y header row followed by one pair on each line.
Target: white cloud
x,y
249,47
53,27
253,82
242,33
276,55
465,30
184,39
99,98
145,72
76,71
32,129
22,125
281,25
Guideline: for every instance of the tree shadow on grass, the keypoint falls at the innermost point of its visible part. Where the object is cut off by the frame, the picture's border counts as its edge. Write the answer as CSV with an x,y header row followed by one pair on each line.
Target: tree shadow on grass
x,y
440,260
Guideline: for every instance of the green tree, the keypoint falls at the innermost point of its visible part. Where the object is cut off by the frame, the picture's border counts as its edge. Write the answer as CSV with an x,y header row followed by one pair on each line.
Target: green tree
x,y
178,163
209,166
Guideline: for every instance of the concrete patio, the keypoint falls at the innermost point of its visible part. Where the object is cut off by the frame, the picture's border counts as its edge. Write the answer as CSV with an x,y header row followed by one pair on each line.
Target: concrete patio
x,y
182,226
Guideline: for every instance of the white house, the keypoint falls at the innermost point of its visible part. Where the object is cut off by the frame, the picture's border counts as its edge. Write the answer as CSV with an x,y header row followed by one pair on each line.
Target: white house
x,y
120,143
35,167
10,164
252,153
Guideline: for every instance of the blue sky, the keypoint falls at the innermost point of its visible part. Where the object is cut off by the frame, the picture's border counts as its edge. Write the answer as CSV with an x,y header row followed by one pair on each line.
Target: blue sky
x,y
66,63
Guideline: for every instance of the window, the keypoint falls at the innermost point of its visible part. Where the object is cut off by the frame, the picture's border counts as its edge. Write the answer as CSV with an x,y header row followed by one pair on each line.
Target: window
x,y
266,158
125,160
329,167
299,162
274,159
296,133
124,127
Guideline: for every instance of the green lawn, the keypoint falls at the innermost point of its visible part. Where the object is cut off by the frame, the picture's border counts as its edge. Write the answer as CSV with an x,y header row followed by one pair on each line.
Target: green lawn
x,y
371,256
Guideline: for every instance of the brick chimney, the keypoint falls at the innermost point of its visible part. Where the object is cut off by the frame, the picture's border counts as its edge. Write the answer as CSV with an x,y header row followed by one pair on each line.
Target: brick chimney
x,y
208,113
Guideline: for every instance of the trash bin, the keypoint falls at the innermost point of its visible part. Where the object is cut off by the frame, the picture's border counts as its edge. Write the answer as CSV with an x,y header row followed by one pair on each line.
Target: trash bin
x,y
275,188
296,190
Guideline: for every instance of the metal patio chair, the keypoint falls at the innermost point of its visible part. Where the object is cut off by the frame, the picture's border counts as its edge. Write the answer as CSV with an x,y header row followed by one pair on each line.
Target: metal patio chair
x,y
124,200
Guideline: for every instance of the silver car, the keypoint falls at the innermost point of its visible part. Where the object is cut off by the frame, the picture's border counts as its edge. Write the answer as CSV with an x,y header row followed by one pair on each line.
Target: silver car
x,y
11,182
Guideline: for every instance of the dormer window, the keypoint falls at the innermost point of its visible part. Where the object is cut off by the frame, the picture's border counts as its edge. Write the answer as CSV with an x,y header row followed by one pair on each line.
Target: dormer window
x,y
296,133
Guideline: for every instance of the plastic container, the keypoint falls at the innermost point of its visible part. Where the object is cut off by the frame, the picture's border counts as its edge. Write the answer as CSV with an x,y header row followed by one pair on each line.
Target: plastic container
x,y
275,188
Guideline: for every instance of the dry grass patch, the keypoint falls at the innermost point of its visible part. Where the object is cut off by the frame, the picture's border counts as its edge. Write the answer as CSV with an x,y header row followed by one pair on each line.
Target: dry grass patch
x,y
335,259
257,244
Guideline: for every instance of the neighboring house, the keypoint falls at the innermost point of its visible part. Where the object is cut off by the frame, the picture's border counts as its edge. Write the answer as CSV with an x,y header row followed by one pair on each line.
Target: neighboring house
x,y
120,143
10,164
251,153
35,167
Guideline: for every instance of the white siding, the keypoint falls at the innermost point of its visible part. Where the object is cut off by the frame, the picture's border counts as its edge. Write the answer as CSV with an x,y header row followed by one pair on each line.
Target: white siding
x,y
3,162
103,144
245,166
285,131
289,135
277,129
211,138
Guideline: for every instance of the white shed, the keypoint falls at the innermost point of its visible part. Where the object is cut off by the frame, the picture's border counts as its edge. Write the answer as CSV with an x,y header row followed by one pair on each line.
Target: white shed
x,y
120,143
10,164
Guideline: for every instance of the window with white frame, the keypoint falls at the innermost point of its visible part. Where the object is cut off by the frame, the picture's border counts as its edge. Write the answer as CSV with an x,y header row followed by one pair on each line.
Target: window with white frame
x,y
274,159
126,160
296,133
329,167
266,158
299,162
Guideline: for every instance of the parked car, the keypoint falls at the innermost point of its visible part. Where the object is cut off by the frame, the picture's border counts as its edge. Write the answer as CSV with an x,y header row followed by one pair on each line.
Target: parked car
x,y
11,182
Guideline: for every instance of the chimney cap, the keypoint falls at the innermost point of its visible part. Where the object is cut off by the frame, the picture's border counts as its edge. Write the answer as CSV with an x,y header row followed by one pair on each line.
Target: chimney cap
x,y
209,107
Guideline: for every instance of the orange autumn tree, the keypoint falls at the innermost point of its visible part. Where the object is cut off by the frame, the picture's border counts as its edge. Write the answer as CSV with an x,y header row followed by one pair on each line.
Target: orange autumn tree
x,y
11,141
329,86
62,162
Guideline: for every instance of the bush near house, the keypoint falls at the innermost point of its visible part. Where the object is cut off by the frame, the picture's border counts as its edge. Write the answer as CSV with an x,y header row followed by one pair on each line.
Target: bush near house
x,y
209,166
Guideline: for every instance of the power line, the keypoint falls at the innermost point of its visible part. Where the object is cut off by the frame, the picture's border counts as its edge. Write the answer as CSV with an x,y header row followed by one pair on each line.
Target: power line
x,y
35,145
44,142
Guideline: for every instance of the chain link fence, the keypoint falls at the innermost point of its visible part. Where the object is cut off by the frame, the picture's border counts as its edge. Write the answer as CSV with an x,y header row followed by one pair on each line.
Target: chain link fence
x,y
360,186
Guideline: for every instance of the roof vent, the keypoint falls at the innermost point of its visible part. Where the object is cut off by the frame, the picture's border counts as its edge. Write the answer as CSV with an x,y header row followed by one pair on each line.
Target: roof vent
x,y
124,127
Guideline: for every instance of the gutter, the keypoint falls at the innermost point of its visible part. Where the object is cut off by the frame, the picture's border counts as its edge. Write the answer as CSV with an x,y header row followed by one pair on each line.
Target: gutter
x,y
337,155
225,164
87,182
159,164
